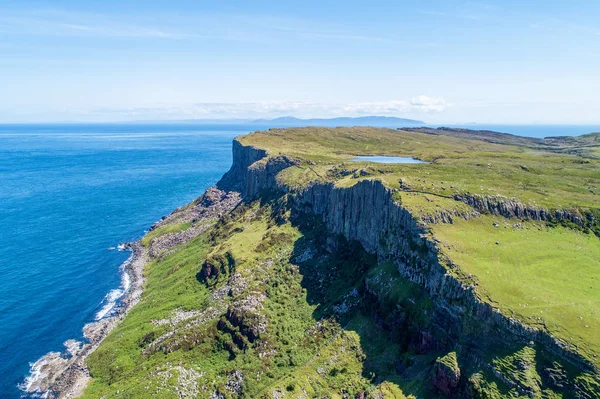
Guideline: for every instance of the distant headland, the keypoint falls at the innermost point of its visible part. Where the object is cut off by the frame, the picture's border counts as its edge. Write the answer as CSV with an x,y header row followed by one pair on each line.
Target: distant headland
x,y
291,121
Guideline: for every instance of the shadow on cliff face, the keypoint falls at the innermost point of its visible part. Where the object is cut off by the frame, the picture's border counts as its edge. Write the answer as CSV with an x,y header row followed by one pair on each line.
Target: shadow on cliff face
x,y
397,324
347,285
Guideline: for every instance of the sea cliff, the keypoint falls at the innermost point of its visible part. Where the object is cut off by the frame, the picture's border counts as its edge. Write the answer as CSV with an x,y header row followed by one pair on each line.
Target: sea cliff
x,y
276,285
367,213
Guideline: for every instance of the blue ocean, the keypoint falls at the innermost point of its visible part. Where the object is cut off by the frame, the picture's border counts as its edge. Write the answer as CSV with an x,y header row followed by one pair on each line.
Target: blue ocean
x,y
70,192
67,194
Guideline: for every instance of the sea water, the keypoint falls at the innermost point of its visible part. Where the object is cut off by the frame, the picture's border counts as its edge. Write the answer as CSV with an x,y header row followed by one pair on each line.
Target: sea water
x,y
68,193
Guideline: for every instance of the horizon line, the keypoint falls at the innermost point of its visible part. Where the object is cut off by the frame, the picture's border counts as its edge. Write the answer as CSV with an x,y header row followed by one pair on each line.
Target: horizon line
x,y
267,119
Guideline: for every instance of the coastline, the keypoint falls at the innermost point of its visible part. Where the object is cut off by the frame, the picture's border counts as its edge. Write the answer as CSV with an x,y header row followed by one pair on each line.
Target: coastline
x,y
59,375
68,376
64,375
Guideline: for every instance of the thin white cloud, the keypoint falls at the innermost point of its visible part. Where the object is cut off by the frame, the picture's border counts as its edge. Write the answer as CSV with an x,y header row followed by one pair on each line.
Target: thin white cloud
x,y
336,35
415,106
429,104
433,13
216,26
469,10
52,23
590,30
559,26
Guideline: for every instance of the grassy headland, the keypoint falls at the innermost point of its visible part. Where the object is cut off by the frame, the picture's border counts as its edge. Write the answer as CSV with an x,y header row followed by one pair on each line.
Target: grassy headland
x,y
542,273
266,303
551,173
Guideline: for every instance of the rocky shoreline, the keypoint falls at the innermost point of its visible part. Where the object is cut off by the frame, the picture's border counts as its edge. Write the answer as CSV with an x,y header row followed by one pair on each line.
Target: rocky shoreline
x,y
64,375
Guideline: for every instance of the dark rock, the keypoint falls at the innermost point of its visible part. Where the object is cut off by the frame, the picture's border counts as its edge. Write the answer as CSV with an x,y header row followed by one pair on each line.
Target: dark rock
x,y
511,208
555,376
446,374
424,343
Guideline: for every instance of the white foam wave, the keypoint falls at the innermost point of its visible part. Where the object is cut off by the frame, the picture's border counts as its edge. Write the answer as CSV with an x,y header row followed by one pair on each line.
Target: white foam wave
x,y
38,370
126,282
36,376
109,301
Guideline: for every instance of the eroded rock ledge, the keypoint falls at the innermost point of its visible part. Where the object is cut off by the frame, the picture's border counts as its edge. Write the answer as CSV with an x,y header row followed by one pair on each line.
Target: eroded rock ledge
x,y
511,208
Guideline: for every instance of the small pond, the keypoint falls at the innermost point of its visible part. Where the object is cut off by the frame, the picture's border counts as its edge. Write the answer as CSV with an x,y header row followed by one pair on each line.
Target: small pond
x,y
384,159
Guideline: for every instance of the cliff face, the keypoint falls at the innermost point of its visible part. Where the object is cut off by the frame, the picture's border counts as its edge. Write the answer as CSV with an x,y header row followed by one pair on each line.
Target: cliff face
x,y
367,213
283,285
251,171
511,208
236,178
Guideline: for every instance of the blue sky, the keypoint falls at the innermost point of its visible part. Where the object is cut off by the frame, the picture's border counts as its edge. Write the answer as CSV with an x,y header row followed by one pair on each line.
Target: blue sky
x,y
439,61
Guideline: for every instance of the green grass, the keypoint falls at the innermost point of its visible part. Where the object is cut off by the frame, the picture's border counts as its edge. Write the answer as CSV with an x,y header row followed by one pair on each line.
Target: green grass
x,y
117,364
336,365
299,177
544,276
426,204
308,348
520,367
286,358
555,177
449,361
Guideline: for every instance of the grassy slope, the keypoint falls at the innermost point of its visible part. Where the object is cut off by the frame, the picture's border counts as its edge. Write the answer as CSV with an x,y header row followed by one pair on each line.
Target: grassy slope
x,y
548,276
304,349
542,276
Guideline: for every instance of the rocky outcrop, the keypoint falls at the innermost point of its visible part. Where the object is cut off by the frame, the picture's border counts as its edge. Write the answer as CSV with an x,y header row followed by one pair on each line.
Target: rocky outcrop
x,y
215,266
261,175
447,216
364,212
511,208
213,204
367,213
446,375
252,171
506,207
243,156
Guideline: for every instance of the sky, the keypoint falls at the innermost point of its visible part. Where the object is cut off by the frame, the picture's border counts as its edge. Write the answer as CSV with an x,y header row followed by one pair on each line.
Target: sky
x,y
440,61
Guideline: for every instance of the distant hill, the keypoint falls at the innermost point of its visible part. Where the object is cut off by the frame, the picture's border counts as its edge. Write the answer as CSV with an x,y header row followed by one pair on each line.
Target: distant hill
x,y
379,121
291,121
